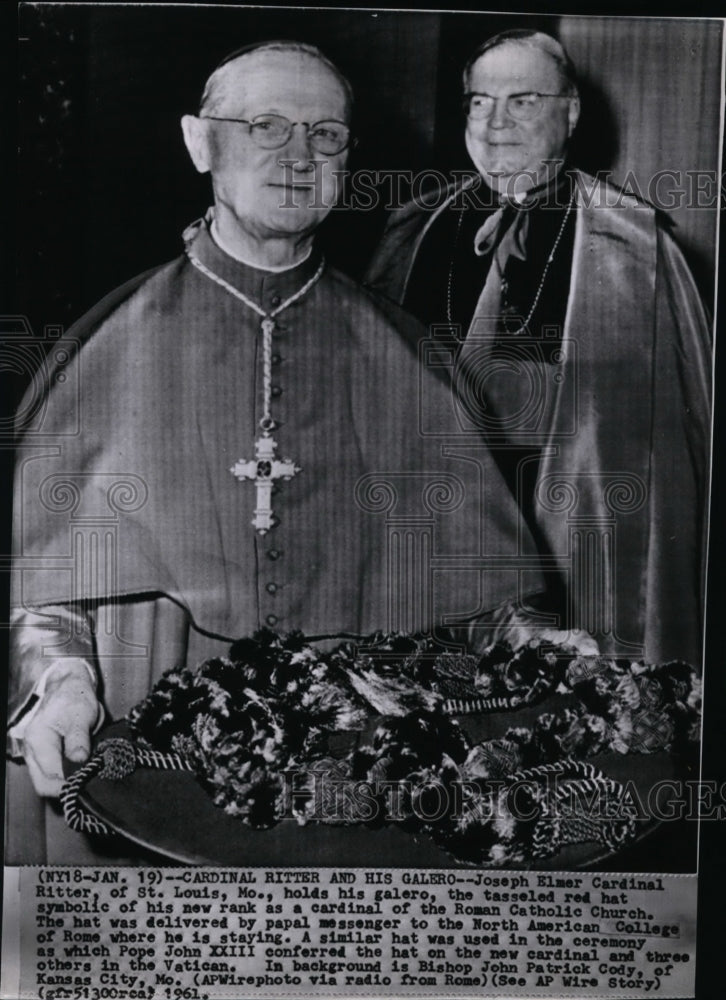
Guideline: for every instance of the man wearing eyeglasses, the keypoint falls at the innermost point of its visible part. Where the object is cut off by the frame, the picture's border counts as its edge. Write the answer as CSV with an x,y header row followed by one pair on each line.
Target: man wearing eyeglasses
x,y
580,348
268,204
247,452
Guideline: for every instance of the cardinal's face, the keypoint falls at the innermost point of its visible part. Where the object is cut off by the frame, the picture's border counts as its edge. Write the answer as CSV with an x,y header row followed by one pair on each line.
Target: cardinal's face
x,y
288,190
510,151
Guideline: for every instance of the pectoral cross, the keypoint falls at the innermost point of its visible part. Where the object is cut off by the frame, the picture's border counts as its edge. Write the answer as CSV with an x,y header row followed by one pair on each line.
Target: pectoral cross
x,y
263,470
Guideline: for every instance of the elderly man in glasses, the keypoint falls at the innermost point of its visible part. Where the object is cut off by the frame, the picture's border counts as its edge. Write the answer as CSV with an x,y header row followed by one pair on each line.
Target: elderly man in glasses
x,y
247,451
579,347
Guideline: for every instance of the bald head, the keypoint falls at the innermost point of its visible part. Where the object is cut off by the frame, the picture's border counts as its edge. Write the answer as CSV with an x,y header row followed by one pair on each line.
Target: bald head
x,y
270,196
522,108
538,41
231,77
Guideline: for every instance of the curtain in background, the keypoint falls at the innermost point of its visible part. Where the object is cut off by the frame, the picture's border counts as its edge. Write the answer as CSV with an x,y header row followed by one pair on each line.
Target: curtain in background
x,y
651,102
106,186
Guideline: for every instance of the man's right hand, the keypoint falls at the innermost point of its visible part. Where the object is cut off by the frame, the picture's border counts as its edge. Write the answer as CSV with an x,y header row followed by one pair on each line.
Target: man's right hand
x,y
62,724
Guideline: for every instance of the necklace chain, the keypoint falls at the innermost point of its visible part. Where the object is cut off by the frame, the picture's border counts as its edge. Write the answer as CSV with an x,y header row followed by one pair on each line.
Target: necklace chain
x,y
538,293
251,302
450,282
267,424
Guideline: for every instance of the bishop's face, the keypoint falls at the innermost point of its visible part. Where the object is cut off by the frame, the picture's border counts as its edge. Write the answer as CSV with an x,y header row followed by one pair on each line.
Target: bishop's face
x,y
505,149
282,192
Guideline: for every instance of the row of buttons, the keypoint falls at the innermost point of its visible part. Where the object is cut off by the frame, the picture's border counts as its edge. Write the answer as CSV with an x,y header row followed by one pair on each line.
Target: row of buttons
x,y
276,359
274,554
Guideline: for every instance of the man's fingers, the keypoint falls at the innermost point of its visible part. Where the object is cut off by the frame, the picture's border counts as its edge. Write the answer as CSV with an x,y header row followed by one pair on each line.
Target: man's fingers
x,y
43,757
45,785
77,742
63,723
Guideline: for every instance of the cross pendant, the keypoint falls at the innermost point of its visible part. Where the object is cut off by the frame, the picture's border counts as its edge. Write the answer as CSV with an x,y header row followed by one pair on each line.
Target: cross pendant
x,y
263,470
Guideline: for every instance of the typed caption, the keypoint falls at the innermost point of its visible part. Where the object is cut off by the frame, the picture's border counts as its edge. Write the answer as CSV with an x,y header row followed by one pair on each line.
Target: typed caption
x,y
208,933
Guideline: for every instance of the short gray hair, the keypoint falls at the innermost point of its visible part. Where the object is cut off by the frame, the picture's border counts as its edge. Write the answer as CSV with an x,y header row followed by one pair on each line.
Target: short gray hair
x,y
534,40
214,89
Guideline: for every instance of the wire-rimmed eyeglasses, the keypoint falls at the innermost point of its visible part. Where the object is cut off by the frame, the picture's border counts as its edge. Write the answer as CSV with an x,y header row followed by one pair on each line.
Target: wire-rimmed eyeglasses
x,y
522,107
273,131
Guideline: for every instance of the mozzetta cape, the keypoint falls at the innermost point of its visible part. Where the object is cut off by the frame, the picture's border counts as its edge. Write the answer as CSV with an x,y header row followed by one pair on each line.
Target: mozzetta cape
x,y
624,470
125,492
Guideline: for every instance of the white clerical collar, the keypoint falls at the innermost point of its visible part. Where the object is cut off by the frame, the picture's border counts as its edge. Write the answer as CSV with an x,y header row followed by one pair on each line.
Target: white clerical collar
x,y
214,232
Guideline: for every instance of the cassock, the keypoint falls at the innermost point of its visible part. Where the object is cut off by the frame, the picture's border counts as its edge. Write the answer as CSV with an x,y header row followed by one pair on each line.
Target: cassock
x,y
129,510
584,358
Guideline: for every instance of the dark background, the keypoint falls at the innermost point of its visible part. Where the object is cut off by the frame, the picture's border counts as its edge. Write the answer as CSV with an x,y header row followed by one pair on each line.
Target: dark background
x,y
106,186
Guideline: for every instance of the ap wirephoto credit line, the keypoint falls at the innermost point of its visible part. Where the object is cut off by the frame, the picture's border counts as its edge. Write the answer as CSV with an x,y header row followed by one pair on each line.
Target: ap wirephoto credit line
x,y
362,470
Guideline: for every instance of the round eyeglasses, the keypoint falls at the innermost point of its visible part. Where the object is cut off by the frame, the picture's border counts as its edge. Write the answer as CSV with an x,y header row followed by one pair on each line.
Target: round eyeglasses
x,y
521,107
273,131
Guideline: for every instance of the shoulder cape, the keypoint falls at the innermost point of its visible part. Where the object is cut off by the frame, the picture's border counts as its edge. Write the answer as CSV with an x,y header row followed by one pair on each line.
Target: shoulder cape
x,y
124,485
622,492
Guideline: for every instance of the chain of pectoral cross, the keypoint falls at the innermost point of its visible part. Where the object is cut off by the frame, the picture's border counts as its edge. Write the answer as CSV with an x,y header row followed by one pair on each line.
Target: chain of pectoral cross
x,y
264,469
